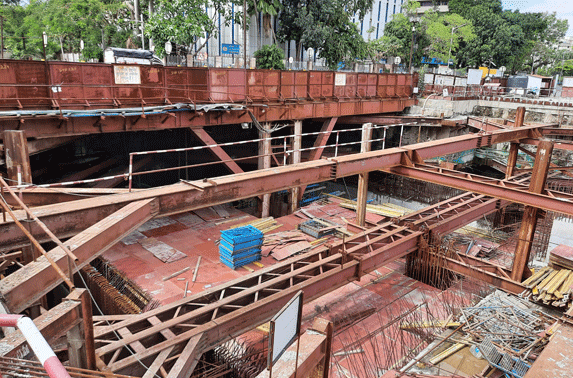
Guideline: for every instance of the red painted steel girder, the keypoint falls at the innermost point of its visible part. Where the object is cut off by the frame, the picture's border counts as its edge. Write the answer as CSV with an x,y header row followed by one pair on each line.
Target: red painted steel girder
x,y
266,290
557,144
481,273
49,127
30,283
78,215
506,190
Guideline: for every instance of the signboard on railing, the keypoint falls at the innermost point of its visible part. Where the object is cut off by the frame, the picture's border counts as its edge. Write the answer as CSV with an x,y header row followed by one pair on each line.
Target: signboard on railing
x,y
127,75
284,328
230,48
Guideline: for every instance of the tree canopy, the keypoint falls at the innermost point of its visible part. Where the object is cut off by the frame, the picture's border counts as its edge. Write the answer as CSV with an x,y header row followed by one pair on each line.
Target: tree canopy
x,y
519,41
324,25
99,23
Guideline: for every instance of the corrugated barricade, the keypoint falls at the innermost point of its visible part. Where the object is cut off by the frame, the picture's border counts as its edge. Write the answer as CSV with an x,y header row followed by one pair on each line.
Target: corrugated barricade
x,y
240,246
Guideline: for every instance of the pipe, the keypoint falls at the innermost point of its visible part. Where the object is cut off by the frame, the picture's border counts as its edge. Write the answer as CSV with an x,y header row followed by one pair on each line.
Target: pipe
x,y
41,348
68,251
7,209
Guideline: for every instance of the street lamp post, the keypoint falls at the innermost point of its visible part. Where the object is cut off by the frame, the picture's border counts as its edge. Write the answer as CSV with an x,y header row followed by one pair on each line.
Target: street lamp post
x,y
452,41
412,49
44,43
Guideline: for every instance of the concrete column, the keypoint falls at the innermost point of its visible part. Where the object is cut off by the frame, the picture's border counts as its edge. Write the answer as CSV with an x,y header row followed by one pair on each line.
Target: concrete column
x,y
363,177
511,159
296,146
529,221
265,162
17,157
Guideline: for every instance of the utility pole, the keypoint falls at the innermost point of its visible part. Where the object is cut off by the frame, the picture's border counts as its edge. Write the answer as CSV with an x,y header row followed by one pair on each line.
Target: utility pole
x,y
2,36
452,41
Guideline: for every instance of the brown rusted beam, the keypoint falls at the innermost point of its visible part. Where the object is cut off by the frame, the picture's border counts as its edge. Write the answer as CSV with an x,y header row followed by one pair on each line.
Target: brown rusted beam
x,y
78,215
529,221
390,120
45,127
506,190
43,144
17,157
218,151
52,324
83,296
319,144
85,173
493,279
34,196
27,285
511,159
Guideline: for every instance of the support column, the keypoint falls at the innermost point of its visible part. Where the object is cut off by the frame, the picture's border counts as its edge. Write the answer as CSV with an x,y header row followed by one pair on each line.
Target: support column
x,y
363,177
17,157
519,116
319,144
511,159
529,221
264,163
296,146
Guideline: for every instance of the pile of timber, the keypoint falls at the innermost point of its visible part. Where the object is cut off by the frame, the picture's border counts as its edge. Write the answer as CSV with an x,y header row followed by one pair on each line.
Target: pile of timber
x,y
386,209
265,225
550,286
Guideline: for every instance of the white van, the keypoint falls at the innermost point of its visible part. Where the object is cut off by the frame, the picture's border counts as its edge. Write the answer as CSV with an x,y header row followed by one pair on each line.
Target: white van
x,y
119,55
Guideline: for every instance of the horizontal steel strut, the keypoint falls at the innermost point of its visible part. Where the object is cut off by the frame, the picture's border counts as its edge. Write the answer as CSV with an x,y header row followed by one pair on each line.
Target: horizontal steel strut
x,y
75,216
228,310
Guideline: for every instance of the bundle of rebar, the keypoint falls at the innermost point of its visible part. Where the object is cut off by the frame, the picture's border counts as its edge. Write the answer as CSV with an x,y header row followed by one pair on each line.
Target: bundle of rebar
x,y
114,292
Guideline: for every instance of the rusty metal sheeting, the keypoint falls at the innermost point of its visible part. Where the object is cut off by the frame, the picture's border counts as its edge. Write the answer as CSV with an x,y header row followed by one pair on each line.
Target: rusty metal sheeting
x,y
36,84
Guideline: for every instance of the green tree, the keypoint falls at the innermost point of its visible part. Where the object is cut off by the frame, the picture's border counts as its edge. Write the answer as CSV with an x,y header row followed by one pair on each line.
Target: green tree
x,y
270,57
544,48
507,38
445,32
97,22
325,26
266,8
185,21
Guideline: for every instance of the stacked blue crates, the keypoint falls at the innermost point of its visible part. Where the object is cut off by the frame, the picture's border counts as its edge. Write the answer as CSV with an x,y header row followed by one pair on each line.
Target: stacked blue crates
x,y
240,246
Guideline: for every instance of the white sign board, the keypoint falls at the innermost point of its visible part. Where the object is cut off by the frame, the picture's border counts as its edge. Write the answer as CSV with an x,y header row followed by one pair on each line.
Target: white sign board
x,y
127,74
461,82
428,78
474,76
533,82
568,82
285,327
340,79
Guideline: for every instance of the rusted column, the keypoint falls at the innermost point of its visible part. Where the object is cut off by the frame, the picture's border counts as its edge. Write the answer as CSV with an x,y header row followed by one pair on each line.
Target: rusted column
x,y
87,330
296,145
363,177
519,116
17,157
529,221
265,162
511,159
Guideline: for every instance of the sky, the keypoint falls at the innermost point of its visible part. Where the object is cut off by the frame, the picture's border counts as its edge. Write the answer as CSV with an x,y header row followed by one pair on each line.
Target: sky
x,y
563,8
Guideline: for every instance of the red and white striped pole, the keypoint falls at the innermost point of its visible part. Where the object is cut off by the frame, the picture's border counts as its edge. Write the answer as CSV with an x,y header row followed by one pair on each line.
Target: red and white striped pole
x,y
41,349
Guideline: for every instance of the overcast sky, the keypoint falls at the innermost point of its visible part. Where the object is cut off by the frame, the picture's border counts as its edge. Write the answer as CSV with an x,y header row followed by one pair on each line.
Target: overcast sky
x,y
563,8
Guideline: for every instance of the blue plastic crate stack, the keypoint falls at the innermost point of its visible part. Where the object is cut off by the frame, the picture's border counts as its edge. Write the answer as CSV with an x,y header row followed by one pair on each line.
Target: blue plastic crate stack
x,y
240,246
